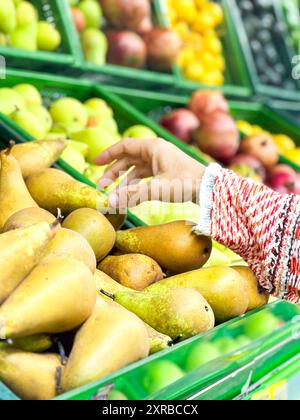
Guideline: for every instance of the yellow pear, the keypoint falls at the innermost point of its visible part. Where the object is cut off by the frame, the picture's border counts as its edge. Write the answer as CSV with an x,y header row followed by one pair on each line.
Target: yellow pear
x,y
111,339
175,312
68,243
28,217
223,288
35,344
135,271
158,341
30,376
95,228
20,251
57,296
257,296
35,156
53,189
104,282
173,245
14,195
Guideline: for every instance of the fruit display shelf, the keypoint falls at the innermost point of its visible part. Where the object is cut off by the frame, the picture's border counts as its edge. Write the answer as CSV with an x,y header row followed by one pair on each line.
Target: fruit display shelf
x,y
222,378
155,105
236,84
53,11
266,52
289,110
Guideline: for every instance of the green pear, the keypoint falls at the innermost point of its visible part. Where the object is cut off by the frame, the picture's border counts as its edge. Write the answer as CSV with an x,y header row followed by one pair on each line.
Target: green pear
x,y
69,114
74,158
115,337
92,12
94,45
11,101
29,123
97,139
48,37
25,37
36,343
98,108
161,374
158,341
35,156
14,195
8,20
95,228
40,303
174,312
21,251
139,132
29,93
26,13
53,189
30,376
43,115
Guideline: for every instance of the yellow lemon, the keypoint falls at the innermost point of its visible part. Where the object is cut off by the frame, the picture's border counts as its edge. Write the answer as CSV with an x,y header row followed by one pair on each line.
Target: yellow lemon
x,y
245,127
284,143
194,71
293,155
203,22
186,10
201,3
216,11
213,78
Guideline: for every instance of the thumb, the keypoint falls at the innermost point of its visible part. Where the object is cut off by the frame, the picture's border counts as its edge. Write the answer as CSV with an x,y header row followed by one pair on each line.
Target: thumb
x,y
132,195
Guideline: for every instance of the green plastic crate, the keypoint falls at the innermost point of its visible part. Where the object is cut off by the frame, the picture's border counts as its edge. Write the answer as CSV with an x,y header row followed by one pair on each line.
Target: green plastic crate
x,y
263,354
289,110
155,105
237,83
233,12
53,11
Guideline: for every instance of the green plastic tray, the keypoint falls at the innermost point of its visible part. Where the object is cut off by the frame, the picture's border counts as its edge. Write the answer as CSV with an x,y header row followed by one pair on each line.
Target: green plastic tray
x,y
233,13
237,84
53,11
155,105
262,354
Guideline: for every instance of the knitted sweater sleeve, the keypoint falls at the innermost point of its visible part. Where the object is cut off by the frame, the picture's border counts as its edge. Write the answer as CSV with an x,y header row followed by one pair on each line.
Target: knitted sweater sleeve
x,y
260,225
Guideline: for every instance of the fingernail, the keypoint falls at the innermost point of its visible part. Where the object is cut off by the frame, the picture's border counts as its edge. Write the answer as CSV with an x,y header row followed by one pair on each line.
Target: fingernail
x,y
114,200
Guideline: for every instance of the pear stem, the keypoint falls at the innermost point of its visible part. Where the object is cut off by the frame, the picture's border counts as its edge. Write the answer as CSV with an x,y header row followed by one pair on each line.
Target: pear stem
x,y
11,144
175,340
107,294
59,219
61,350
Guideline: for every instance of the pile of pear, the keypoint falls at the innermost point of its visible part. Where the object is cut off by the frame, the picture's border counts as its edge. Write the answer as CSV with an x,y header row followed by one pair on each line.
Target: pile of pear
x,y
21,28
81,299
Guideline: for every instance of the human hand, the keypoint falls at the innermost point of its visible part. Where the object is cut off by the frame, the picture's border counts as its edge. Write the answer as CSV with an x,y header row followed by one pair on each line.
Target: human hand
x,y
175,176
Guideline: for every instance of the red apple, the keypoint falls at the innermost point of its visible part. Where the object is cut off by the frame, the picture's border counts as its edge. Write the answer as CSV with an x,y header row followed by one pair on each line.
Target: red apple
x,y
126,14
282,178
78,19
126,49
218,136
252,162
205,102
182,123
163,46
262,147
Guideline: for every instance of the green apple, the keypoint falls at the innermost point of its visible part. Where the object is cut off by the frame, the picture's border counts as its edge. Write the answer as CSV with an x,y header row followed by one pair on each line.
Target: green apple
x,y
98,108
201,354
55,136
94,45
48,37
226,345
81,147
94,172
8,19
261,324
92,12
25,37
74,158
10,101
4,40
139,132
97,139
107,123
69,115
26,13
117,396
160,375
43,115
30,94
29,123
